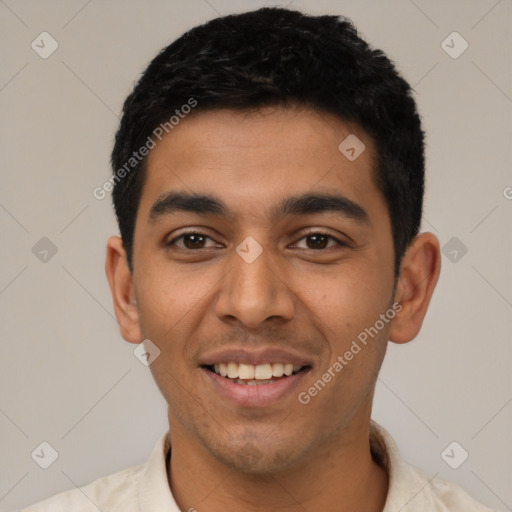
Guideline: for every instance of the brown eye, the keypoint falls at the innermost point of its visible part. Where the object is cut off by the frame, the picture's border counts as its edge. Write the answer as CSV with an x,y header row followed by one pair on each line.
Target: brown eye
x,y
193,241
190,241
317,241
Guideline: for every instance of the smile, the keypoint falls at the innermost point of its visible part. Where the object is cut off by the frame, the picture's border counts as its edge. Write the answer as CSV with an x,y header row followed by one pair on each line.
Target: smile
x,y
254,375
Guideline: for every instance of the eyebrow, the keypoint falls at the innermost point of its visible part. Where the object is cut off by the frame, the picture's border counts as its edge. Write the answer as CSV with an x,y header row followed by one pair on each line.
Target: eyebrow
x,y
304,204
173,202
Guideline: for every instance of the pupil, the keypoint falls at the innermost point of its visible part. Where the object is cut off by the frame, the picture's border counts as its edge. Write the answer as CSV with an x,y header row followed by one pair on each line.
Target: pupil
x,y
320,243
192,241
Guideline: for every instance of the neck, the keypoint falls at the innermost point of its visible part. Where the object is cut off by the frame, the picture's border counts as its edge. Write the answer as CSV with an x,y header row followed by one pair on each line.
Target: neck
x,y
341,476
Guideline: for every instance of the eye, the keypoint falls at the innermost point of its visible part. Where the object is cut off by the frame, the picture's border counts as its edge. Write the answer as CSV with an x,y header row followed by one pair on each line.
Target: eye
x,y
191,241
319,240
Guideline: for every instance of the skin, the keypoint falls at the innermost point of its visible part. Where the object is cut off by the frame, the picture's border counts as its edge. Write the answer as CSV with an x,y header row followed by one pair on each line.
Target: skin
x,y
314,301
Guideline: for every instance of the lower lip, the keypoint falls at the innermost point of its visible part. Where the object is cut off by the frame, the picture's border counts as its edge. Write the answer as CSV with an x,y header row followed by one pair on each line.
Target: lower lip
x,y
258,395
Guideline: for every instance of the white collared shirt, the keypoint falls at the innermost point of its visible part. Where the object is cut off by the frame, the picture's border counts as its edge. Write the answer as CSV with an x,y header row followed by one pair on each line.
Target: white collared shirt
x,y
144,488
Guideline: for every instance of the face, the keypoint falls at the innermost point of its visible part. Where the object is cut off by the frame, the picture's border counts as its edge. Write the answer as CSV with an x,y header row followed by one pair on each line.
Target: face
x,y
260,247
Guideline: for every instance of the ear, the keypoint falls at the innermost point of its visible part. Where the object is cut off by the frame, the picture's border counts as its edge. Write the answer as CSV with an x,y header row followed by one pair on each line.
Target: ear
x,y
122,290
419,272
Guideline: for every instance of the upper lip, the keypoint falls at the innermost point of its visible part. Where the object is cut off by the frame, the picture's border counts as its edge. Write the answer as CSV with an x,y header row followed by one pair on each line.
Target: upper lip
x,y
254,357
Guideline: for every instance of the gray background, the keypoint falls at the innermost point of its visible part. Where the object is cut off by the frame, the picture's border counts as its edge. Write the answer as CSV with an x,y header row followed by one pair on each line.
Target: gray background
x,y
69,379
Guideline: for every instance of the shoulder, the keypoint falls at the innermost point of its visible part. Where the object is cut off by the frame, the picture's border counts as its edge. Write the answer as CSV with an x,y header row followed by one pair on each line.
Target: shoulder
x,y
115,492
441,495
411,489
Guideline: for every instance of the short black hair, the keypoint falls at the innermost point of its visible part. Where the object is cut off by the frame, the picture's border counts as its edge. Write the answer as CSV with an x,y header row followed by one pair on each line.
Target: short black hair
x,y
278,57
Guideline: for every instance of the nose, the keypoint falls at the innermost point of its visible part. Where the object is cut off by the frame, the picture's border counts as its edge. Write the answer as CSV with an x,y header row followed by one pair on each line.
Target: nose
x,y
255,292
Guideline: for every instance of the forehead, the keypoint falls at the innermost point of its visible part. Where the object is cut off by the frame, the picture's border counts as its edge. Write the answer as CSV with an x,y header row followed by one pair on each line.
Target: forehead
x,y
257,159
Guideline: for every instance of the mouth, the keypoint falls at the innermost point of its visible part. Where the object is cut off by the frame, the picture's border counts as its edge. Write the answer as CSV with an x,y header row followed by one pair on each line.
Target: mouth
x,y
256,375
254,379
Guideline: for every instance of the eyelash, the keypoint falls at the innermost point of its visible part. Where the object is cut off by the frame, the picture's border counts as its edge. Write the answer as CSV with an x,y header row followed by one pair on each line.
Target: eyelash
x,y
338,242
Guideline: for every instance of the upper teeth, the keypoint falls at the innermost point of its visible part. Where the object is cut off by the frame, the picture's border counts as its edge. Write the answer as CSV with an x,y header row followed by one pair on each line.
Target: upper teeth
x,y
258,372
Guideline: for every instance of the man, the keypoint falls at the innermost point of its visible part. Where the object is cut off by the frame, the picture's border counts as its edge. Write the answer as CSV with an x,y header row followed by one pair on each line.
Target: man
x,y
268,185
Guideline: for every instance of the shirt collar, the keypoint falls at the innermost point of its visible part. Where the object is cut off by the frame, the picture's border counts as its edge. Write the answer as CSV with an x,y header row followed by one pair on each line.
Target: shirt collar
x,y
405,482
154,492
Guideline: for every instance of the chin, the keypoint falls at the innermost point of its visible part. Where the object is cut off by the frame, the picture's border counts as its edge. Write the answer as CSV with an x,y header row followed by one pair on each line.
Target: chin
x,y
255,458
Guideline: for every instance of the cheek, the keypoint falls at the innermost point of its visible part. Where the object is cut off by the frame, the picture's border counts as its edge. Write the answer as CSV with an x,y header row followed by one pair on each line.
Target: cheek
x,y
345,310
166,302
173,306
345,301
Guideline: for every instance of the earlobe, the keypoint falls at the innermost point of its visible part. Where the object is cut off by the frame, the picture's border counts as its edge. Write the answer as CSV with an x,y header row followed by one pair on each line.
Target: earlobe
x,y
120,281
419,273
